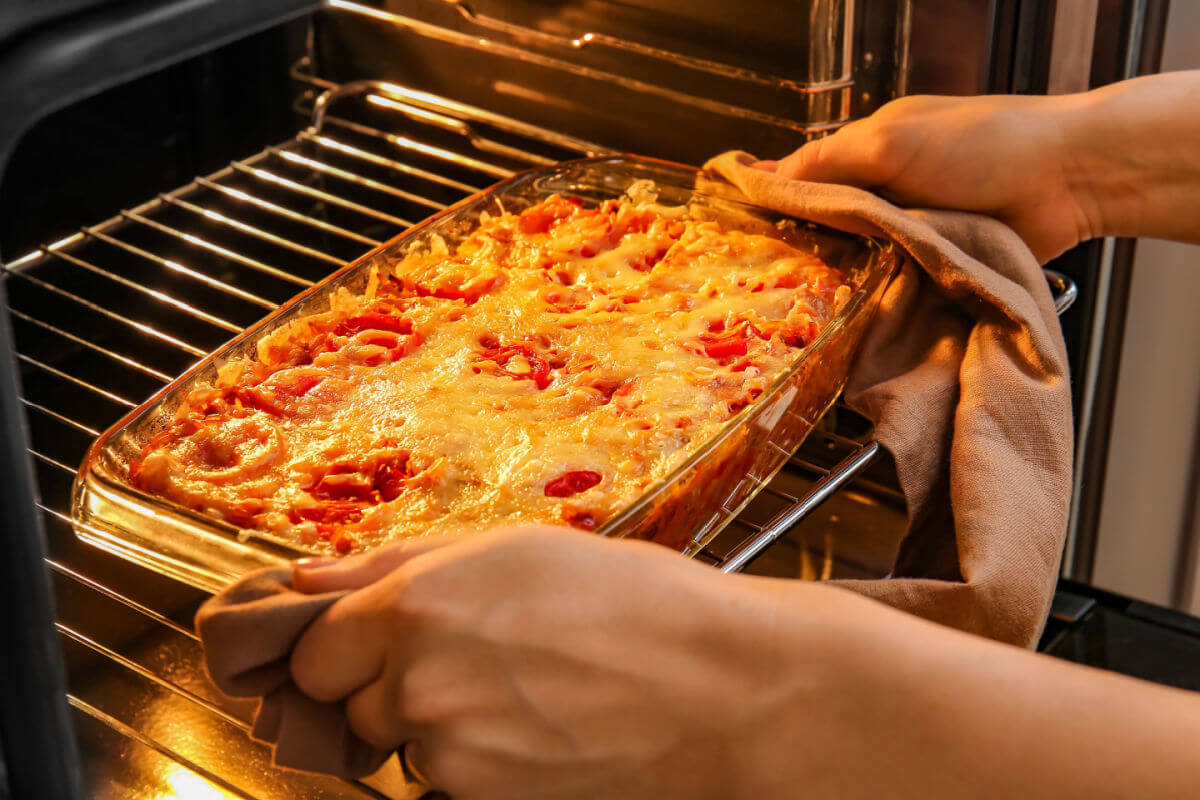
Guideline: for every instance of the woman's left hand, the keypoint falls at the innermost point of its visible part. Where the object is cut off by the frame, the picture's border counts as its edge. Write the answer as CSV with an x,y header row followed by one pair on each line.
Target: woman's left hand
x,y
540,661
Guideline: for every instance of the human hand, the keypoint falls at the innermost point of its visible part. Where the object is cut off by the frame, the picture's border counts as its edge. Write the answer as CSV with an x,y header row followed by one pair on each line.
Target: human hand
x,y
1008,157
552,663
540,661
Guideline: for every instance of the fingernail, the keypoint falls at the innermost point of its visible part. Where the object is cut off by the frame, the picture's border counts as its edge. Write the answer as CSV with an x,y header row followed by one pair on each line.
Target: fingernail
x,y
315,563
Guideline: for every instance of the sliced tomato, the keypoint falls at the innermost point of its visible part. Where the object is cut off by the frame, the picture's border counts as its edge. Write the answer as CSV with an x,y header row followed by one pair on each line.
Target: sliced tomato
x,y
332,512
374,321
745,400
801,336
579,518
467,293
572,483
299,386
390,476
405,347
734,342
243,513
226,401
543,216
344,486
607,388
256,398
724,348
539,369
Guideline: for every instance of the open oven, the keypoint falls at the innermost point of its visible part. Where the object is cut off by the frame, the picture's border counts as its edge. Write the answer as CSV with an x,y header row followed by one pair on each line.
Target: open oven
x,y
171,171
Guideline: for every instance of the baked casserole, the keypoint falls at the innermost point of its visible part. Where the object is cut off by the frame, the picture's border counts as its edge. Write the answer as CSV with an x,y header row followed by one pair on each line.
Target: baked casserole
x,y
549,367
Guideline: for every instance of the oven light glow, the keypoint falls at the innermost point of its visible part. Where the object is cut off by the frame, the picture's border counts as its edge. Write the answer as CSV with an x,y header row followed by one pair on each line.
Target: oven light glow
x,y
405,108
30,256
184,784
361,9
66,240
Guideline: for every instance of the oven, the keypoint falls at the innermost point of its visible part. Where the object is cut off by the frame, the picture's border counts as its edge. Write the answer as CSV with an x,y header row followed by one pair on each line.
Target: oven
x,y
171,171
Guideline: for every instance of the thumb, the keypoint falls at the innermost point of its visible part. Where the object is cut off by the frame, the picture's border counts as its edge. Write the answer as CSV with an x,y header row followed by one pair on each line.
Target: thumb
x,y
846,157
314,576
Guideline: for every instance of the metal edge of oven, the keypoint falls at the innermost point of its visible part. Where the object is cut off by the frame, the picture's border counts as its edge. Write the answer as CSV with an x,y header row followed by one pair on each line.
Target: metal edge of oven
x,y
43,67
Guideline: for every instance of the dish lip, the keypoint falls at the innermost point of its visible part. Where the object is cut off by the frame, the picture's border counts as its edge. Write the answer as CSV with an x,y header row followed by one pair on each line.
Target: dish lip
x,y
882,250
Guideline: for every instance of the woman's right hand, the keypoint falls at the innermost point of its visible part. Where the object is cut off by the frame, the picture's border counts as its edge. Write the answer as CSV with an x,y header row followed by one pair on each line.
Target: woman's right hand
x,y
1123,160
1004,156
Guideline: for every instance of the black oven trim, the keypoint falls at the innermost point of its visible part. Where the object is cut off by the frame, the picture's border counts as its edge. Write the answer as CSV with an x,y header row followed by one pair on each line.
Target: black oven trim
x,y
45,67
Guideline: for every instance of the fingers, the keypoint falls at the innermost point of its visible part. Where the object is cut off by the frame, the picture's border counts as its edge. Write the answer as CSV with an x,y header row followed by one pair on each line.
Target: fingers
x,y
346,647
375,714
852,156
413,759
325,575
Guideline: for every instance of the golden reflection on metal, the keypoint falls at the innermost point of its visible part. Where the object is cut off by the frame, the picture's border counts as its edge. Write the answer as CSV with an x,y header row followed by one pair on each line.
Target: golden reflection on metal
x,y
250,230
416,97
63,241
175,266
140,326
225,252
692,62
116,398
23,260
478,141
156,294
126,360
54,462
807,570
350,177
416,112
184,784
588,38
41,409
287,213
452,37
372,158
270,177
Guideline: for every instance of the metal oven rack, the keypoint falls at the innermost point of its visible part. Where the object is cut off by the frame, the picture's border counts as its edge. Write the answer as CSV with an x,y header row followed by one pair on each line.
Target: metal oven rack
x,y
106,316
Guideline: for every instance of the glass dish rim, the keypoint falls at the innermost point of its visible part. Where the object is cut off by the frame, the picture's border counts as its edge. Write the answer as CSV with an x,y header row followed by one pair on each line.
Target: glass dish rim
x,y
880,249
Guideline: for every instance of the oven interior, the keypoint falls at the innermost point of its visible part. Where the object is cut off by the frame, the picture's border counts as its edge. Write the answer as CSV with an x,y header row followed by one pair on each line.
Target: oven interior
x,y
145,225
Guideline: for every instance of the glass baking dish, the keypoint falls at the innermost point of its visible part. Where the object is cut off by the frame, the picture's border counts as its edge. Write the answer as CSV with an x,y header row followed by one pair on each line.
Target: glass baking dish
x,y
683,511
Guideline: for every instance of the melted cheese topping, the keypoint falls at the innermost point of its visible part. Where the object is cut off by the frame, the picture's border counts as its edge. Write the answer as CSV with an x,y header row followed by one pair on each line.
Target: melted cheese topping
x,y
553,367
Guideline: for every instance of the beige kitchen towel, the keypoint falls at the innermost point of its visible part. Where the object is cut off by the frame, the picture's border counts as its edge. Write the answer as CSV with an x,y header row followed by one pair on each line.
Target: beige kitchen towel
x,y
964,374
248,633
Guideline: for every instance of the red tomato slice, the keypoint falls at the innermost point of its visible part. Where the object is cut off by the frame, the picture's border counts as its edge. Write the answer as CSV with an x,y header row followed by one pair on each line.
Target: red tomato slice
x,y
343,486
539,369
374,321
720,343
542,217
390,476
579,519
724,348
572,483
300,386
333,511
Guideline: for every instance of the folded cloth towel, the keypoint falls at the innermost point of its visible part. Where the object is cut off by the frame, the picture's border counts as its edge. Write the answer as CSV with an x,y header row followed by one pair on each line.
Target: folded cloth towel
x,y
248,632
964,374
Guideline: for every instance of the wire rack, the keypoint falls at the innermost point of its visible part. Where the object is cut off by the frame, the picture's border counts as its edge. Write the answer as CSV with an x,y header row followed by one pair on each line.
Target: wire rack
x,y
105,317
